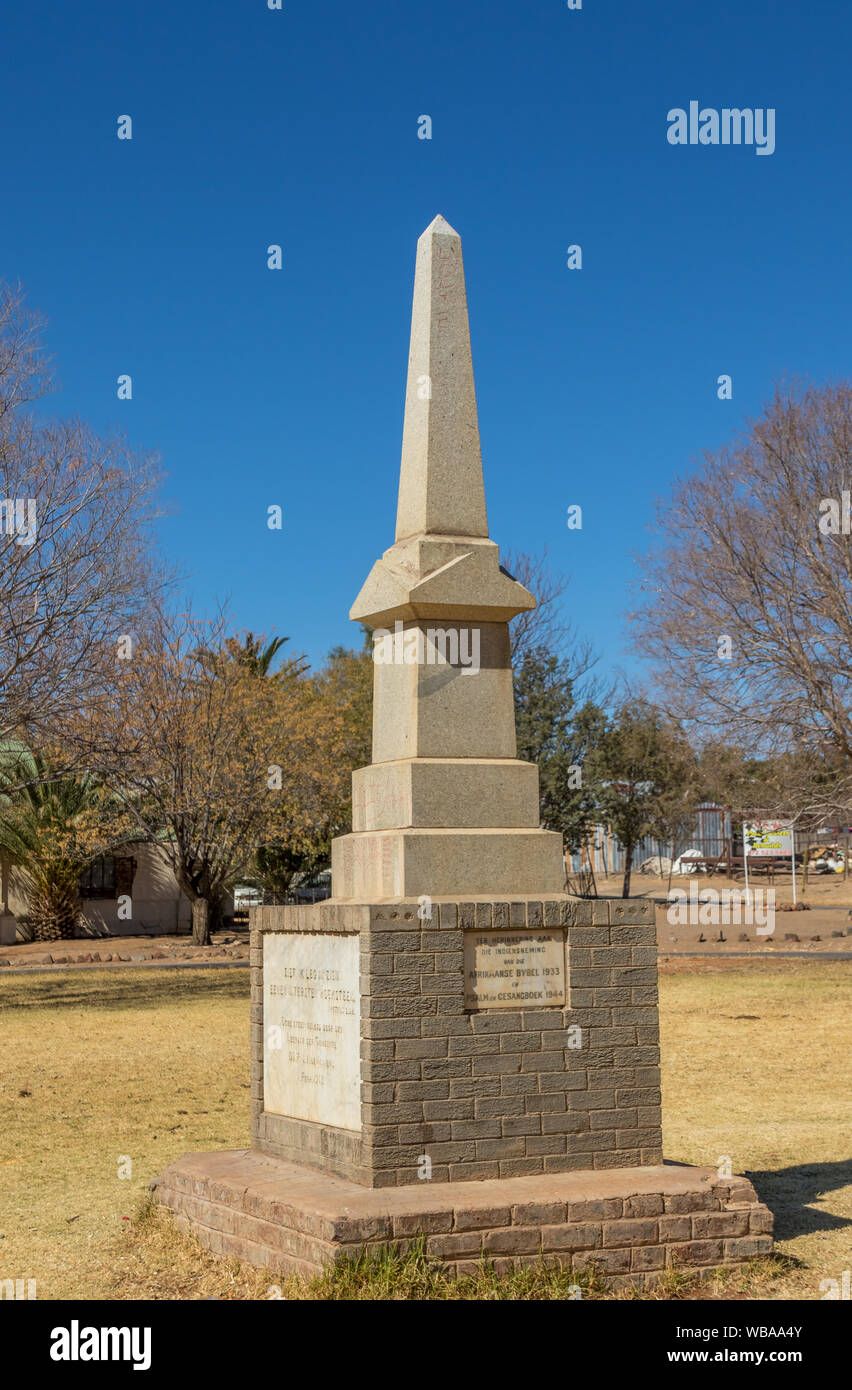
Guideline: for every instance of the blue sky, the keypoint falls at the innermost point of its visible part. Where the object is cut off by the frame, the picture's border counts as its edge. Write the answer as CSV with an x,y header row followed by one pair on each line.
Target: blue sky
x,y
299,127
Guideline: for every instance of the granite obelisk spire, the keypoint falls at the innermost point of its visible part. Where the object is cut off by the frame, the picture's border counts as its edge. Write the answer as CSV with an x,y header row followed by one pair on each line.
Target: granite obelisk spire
x,y
441,491
445,808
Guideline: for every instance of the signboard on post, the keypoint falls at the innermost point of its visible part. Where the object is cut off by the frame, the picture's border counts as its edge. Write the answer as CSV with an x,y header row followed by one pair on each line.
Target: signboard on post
x,y
768,839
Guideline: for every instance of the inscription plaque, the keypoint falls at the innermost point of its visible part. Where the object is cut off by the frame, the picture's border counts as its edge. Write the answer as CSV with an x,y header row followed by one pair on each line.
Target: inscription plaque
x,y
511,970
311,1027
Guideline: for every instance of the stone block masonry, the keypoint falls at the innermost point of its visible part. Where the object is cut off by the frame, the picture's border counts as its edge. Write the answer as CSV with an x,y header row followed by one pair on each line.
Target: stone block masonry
x,y
465,1093
632,1224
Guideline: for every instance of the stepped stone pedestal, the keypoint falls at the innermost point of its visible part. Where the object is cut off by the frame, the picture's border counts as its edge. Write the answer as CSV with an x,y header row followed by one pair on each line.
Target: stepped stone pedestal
x,y
632,1223
451,1046
421,1104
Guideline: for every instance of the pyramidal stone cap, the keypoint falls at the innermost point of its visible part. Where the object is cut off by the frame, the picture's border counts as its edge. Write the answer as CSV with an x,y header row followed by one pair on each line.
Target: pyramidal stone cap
x,y
442,564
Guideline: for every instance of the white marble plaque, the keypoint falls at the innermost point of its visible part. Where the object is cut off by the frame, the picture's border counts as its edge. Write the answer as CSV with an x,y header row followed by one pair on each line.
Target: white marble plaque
x,y
514,970
312,1027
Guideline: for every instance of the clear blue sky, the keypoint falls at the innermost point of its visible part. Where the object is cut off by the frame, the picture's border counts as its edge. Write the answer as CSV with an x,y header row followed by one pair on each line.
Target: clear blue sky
x,y
300,127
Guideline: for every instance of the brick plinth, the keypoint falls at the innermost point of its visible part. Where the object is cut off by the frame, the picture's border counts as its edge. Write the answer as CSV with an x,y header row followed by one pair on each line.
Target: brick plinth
x,y
632,1223
488,1093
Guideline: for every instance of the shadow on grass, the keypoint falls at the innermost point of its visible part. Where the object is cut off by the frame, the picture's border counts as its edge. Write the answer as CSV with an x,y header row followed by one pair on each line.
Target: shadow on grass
x,y
135,988
789,1193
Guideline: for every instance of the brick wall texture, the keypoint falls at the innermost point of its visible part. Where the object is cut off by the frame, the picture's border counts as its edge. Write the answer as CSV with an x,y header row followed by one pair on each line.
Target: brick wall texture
x,y
499,1093
642,1222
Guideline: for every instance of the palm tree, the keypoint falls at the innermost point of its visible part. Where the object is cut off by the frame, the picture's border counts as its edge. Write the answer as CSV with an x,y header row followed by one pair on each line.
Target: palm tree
x,y
250,653
258,659
254,658
43,824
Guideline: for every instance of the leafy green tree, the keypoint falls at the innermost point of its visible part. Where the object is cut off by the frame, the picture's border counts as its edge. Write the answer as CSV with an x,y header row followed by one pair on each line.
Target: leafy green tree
x,y
276,867
253,657
638,769
557,736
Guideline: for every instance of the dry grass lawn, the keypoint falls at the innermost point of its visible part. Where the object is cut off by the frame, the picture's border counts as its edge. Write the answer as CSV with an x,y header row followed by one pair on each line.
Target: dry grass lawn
x,y
104,1066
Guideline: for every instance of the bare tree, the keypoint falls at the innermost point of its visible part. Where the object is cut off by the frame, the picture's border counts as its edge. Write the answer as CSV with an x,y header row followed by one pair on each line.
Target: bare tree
x,y
801,785
748,614
24,366
545,628
213,757
76,571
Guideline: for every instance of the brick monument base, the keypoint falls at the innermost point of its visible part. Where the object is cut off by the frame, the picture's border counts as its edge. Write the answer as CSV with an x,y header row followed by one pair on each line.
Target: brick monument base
x,y
405,1083
632,1223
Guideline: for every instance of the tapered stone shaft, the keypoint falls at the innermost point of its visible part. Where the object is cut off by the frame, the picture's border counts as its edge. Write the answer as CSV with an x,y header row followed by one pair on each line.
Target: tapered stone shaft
x,y
441,491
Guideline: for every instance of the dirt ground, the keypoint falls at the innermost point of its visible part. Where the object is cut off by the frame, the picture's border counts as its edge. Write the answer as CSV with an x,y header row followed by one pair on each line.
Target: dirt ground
x,y
124,950
823,890
826,925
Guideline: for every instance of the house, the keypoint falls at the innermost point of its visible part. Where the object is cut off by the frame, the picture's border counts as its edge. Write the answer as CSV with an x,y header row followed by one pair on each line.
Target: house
x,y
136,880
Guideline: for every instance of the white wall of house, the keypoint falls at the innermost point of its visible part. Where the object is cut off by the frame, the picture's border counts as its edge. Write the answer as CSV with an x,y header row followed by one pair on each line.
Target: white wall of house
x,y
14,899
157,903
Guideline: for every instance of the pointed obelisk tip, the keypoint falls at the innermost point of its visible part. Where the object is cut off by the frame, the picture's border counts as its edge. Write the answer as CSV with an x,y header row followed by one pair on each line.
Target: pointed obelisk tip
x,y
439,226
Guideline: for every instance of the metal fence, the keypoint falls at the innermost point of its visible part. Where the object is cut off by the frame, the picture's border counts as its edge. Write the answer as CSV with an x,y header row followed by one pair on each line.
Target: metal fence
x,y
711,835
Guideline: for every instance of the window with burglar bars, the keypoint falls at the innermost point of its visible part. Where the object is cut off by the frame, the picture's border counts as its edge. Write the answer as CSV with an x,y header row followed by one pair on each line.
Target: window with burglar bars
x,y
98,880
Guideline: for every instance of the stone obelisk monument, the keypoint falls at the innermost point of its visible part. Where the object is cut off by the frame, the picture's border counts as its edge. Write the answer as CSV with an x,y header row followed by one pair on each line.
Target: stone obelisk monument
x,y
451,1046
445,809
